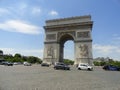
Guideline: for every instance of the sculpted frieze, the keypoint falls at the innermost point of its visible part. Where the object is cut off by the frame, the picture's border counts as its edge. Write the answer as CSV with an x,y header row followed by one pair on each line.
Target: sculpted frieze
x,y
50,51
83,50
83,34
50,36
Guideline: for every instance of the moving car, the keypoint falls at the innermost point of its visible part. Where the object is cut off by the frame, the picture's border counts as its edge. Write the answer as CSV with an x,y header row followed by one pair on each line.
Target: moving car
x,y
7,63
111,67
1,61
61,66
85,66
27,64
17,63
45,64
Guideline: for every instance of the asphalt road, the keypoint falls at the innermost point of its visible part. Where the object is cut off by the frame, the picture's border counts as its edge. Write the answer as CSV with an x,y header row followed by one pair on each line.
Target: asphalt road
x,y
35,77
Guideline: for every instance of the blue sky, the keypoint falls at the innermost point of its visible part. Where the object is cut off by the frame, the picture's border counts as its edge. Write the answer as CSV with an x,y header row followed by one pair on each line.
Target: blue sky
x,y
22,21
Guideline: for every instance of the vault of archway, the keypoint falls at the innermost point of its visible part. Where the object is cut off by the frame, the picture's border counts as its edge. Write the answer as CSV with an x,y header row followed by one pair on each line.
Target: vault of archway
x,y
65,38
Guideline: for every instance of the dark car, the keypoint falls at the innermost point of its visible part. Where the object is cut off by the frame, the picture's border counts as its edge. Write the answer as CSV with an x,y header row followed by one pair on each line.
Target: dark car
x,y
61,66
111,67
1,61
45,64
7,63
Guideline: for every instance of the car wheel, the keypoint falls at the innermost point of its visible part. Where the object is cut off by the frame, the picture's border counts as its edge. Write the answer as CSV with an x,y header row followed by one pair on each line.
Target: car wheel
x,y
118,69
68,69
79,68
89,69
64,68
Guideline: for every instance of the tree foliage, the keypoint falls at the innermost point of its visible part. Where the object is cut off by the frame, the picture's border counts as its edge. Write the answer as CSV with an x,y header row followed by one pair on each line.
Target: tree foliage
x,y
68,62
102,63
19,58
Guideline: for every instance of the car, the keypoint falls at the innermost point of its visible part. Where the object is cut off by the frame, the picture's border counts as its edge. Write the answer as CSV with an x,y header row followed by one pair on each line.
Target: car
x,y
7,63
111,68
45,64
1,61
61,66
17,63
27,64
85,66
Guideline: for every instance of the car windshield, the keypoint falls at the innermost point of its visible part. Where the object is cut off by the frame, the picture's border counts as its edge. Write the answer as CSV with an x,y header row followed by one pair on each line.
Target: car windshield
x,y
60,64
83,65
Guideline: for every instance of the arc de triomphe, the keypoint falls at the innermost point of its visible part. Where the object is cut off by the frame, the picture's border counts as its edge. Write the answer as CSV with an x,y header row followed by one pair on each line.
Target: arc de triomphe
x,y
58,31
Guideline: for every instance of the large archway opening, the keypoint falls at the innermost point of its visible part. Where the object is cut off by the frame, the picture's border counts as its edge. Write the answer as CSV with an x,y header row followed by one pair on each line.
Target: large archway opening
x,y
66,39
69,50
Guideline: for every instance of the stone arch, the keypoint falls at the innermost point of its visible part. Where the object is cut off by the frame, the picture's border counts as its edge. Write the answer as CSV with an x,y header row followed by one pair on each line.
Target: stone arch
x,y
63,38
66,34
58,31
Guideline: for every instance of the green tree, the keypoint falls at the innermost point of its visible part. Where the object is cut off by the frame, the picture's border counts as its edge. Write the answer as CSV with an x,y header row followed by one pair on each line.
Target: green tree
x,y
17,55
17,58
8,57
33,59
96,63
69,62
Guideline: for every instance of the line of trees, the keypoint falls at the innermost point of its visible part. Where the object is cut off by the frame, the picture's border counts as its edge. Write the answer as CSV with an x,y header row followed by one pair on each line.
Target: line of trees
x,y
19,58
100,61
68,62
108,62
31,59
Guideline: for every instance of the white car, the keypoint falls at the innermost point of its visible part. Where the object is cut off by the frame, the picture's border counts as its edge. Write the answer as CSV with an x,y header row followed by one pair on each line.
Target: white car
x,y
27,64
85,66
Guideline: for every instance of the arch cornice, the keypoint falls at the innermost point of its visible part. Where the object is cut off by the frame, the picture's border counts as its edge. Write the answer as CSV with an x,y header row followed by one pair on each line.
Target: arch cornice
x,y
69,26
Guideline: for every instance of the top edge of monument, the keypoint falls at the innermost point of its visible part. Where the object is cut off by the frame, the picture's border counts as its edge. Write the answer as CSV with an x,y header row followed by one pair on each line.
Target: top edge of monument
x,y
75,19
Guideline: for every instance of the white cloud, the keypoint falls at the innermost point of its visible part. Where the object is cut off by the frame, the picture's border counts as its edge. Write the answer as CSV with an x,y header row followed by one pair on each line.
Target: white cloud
x,y
106,51
36,10
104,48
53,13
7,50
20,26
31,52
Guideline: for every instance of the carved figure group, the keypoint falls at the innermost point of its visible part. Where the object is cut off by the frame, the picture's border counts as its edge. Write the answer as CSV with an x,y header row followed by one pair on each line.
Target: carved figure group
x,y
83,50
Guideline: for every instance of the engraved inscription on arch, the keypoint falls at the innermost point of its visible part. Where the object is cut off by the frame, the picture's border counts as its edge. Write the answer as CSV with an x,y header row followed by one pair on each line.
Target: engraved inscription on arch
x,y
50,36
83,34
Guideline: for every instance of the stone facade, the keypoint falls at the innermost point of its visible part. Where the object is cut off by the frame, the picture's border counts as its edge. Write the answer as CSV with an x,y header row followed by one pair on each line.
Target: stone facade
x,y
58,31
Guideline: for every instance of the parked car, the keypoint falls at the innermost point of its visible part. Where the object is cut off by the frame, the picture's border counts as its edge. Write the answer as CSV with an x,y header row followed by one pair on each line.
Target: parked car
x,y
1,61
85,66
17,63
27,64
7,63
45,64
61,66
111,67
